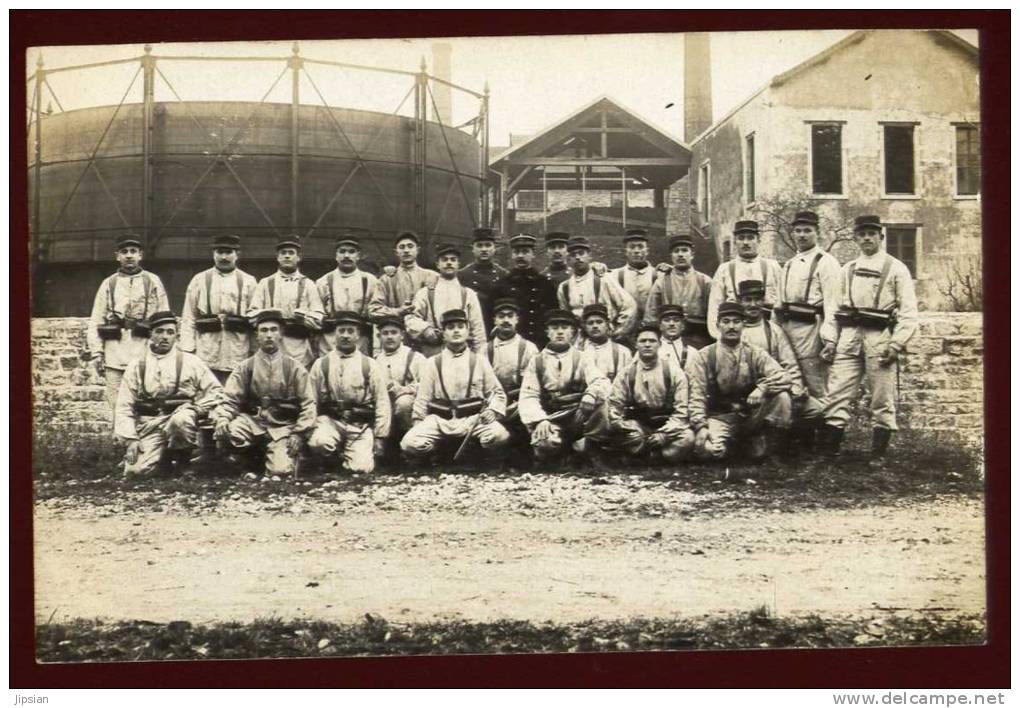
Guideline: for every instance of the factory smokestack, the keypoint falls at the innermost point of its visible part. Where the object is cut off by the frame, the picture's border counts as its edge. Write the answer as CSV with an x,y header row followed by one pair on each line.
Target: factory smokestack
x,y
697,85
443,112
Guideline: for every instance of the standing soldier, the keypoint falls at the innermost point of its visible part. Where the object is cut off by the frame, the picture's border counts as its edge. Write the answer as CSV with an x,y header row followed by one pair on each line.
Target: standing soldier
x,y
671,329
807,410
118,328
509,353
534,292
686,287
296,296
268,403
458,396
637,275
481,276
563,393
162,396
737,392
809,297
354,405
215,324
586,287
349,289
611,357
398,286
447,293
556,252
748,265
402,366
648,404
876,319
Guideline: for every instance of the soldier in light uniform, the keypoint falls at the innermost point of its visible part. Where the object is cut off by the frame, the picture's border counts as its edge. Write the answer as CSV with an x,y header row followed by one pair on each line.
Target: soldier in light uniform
x,y
510,353
294,294
458,389
637,276
748,265
611,357
564,394
163,394
267,401
398,286
353,402
403,367
671,329
424,322
556,251
686,287
809,297
807,410
876,319
534,292
215,324
586,287
648,405
118,331
739,394
482,275
349,289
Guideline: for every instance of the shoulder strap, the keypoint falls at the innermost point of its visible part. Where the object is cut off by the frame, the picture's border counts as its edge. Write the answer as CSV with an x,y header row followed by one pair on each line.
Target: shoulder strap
x,y
616,357
540,369
811,274
881,281
325,378
491,351
177,376
407,367
366,376
208,292
300,292
632,375
331,278
439,372
733,276
432,304
471,374
271,286
597,285
667,379
764,272
463,298
364,294
566,291
768,337
575,364
240,290
667,289
712,360
521,348
147,288
850,283
111,286
619,276
141,376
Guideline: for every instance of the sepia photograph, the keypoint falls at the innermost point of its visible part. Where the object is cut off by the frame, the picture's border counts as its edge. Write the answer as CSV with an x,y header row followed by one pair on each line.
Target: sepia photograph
x,y
635,342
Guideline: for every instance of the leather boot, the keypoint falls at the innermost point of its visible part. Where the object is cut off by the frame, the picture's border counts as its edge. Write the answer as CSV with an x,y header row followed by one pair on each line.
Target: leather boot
x,y
831,440
786,443
880,442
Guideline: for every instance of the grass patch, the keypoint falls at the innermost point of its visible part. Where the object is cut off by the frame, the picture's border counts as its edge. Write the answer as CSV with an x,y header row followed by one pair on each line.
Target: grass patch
x,y
95,641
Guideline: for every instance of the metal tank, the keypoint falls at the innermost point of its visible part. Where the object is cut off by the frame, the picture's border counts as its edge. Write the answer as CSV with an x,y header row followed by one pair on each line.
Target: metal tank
x,y
260,170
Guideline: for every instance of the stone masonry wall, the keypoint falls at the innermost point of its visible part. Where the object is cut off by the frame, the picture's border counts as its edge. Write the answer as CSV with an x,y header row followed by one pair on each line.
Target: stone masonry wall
x,y
941,381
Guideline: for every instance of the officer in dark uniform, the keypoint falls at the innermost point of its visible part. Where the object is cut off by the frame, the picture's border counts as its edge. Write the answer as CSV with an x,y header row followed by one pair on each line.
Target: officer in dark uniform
x,y
533,292
556,251
482,274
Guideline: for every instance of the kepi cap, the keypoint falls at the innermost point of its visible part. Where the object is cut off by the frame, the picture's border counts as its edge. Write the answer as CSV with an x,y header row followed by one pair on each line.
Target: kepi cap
x,y
667,310
268,316
128,240
162,317
648,327
556,237
289,241
483,234
577,242
556,316
347,239
391,321
407,235
635,235
453,316
232,241
805,217
680,241
445,249
730,308
867,222
596,308
746,226
523,240
350,318
750,287
506,303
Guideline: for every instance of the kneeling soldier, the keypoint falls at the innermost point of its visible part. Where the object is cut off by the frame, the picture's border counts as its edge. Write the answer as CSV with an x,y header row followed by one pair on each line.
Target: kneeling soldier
x,y
648,405
563,393
736,391
458,395
402,367
267,400
672,327
354,405
509,353
162,396
611,357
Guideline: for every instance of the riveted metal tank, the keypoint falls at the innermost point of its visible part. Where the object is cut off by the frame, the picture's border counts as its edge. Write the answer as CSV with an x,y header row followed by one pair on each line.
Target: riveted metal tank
x,y
356,170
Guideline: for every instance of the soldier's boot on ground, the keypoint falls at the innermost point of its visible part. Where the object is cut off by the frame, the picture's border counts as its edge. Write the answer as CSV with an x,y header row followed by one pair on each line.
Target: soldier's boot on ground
x,y
831,441
786,443
879,446
176,462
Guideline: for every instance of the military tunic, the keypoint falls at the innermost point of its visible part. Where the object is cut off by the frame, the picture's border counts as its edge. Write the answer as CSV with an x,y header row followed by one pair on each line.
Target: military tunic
x,y
580,290
402,368
354,442
728,278
429,305
771,337
535,294
556,273
676,350
212,293
482,278
400,288
611,357
637,282
175,373
288,293
351,292
641,387
690,289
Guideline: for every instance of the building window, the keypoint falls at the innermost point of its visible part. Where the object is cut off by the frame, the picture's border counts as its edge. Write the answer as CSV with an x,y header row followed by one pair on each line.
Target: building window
x,y
704,198
749,167
898,142
827,158
901,242
616,200
530,200
968,160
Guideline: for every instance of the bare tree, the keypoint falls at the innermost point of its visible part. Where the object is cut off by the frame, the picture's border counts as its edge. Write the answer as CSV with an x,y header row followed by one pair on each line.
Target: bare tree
x,y
961,283
775,214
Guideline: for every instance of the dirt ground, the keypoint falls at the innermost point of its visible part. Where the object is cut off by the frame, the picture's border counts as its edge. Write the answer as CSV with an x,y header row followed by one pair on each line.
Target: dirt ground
x,y
486,548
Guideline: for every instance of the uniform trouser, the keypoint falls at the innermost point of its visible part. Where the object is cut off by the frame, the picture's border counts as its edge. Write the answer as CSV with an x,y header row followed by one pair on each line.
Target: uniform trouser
x,y
729,431
421,440
594,428
113,378
631,436
403,409
353,443
808,409
848,370
245,431
807,346
156,434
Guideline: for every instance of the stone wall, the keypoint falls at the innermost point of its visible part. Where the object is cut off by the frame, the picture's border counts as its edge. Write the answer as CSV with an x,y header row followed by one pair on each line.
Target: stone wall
x,y
941,381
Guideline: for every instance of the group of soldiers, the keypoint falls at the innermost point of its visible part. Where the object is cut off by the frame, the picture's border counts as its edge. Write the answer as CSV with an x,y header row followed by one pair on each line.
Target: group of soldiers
x,y
652,363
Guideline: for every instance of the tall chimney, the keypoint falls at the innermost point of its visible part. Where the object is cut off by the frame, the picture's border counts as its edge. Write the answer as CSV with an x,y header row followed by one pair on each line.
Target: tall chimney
x,y
697,85
443,112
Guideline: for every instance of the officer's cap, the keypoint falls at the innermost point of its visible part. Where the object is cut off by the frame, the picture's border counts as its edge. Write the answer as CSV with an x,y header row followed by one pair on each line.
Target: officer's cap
x,y
128,240
347,317
392,321
454,316
522,241
730,308
483,234
597,309
577,242
667,310
447,249
162,317
648,327
751,287
407,235
289,241
231,241
506,303
867,222
268,316
556,237
806,217
680,241
635,235
746,226
556,316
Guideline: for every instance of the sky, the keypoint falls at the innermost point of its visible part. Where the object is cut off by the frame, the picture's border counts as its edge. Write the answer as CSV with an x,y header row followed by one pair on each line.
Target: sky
x,y
534,81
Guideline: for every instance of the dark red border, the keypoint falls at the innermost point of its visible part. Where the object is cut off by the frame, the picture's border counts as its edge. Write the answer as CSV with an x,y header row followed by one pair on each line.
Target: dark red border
x,y
986,666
